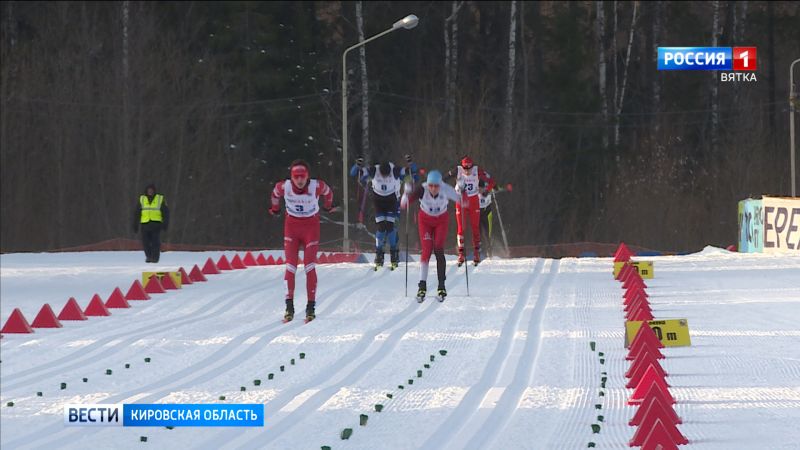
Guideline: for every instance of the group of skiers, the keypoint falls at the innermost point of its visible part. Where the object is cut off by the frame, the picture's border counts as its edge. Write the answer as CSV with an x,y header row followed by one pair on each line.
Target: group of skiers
x,y
301,194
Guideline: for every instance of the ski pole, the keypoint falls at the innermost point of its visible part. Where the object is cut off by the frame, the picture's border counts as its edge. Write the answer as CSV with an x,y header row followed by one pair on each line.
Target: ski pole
x,y
500,220
466,272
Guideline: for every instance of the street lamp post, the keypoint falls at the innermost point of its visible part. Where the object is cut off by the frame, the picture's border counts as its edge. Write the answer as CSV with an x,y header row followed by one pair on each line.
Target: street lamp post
x,y
408,23
792,101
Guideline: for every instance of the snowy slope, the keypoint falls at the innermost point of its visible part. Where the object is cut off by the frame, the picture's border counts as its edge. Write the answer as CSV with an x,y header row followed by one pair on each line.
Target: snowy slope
x,y
518,371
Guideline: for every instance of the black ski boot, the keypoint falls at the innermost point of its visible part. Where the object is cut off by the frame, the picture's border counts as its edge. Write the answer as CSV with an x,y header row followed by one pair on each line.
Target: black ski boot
x,y
421,292
395,255
378,259
289,314
441,293
310,315
476,257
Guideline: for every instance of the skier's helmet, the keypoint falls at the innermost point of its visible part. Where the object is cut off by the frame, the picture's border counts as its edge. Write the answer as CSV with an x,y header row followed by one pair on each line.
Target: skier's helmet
x,y
385,168
435,177
466,162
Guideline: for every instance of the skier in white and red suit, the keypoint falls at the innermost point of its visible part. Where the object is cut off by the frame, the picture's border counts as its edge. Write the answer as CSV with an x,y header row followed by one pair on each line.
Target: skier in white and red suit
x,y
468,176
301,195
434,197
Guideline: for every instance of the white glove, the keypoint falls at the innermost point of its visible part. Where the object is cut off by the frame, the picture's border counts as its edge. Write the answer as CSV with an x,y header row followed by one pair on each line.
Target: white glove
x,y
404,201
407,187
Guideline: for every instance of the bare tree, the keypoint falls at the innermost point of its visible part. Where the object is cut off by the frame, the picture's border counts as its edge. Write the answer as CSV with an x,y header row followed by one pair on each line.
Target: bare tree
x,y
600,27
451,70
656,106
364,84
715,32
509,107
621,95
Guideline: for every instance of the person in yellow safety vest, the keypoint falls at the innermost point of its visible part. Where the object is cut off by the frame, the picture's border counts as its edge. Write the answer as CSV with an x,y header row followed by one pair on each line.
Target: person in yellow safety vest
x,y
152,214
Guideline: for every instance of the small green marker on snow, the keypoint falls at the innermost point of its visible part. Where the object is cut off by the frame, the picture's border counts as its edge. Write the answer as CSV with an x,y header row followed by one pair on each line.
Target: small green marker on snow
x,y
389,395
602,361
595,428
222,397
603,384
147,359
603,379
270,376
601,354
257,382
598,406
419,374
591,445
292,361
603,373
346,433
283,368
39,394
378,407
127,366
600,418
591,344
63,386
169,427
443,352
302,356
602,394
400,386
85,380
10,404
143,438
427,366
432,358
362,420
242,389
325,447
108,371
410,381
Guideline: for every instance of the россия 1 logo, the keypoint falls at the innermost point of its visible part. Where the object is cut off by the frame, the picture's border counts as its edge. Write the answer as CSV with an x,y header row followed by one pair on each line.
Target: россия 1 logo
x,y
740,62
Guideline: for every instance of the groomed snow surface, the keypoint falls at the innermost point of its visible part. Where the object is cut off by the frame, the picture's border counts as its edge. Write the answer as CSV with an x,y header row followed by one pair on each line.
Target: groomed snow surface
x,y
518,373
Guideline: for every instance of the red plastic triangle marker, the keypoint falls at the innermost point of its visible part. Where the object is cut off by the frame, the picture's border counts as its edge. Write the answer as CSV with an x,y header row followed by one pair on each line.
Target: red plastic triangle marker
x,y
659,431
639,365
271,260
629,294
46,318
185,277
237,263
643,371
641,314
223,263
71,311
96,308
322,259
655,384
17,323
279,261
154,286
640,350
249,260
168,283
196,275
117,300
647,334
261,260
136,292
210,268
654,405
637,301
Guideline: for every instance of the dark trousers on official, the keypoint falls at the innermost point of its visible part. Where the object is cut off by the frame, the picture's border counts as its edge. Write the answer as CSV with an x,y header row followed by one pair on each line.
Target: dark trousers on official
x,y
151,240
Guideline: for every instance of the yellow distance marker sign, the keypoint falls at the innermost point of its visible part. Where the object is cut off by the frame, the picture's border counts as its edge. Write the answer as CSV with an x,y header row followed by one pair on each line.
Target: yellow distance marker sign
x,y
645,268
176,277
671,332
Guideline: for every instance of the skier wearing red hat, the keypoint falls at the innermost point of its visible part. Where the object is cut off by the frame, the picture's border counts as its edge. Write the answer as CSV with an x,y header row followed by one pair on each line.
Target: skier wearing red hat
x,y
301,195
468,178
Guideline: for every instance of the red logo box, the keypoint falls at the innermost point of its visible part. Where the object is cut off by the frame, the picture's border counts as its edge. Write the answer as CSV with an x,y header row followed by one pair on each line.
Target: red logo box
x,y
744,58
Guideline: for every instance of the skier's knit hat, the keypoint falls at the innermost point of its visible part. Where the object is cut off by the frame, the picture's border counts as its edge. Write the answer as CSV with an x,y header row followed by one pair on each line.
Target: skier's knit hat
x,y
435,177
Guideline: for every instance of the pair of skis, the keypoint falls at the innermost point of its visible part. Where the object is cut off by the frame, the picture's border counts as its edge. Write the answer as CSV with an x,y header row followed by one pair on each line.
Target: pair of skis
x,y
440,296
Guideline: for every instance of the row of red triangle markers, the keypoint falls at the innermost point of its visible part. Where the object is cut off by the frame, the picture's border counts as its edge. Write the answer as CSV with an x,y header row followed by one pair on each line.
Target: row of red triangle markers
x,y
656,419
17,323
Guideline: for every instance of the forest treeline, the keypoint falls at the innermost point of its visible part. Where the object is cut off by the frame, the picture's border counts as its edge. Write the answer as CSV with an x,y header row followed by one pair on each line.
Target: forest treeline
x,y
212,100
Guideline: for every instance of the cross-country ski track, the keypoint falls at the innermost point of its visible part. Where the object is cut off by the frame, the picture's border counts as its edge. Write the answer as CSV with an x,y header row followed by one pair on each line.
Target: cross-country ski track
x,y
518,370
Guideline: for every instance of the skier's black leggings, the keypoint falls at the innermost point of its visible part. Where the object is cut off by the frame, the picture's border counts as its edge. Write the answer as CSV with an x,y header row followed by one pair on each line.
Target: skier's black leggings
x,y
440,266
